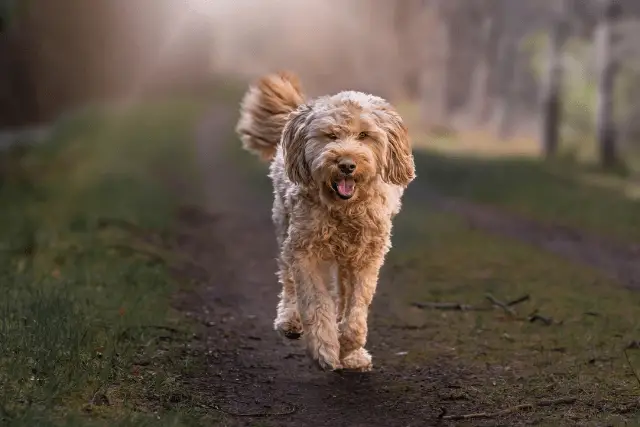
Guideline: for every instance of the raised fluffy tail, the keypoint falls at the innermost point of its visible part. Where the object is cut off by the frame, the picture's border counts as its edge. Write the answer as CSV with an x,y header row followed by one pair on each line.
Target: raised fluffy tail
x,y
264,111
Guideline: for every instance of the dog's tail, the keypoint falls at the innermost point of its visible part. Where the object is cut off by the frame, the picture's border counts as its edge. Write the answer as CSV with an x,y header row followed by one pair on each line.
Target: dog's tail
x,y
264,111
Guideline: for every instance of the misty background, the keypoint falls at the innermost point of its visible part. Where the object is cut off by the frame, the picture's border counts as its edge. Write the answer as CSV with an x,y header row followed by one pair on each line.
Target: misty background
x,y
466,64
137,253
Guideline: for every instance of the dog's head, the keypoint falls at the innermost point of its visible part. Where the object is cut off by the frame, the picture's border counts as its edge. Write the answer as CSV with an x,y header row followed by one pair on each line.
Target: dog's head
x,y
346,142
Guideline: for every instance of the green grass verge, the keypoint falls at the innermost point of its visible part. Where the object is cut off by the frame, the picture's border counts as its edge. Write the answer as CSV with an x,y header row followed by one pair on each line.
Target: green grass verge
x,y
87,335
512,360
554,193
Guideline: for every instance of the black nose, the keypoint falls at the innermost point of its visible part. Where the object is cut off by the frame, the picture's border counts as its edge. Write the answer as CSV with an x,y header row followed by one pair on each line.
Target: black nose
x,y
347,166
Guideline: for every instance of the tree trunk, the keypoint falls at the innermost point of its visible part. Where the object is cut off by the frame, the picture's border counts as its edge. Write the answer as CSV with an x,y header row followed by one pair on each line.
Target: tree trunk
x,y
607,69
479,97
551,95
506,72
404,15
435,80
505,109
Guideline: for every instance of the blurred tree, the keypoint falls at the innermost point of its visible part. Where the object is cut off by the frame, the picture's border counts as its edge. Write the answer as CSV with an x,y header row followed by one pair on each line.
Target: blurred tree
x,y
483,86
7,11
551,98
435,79
507,61
607,68
62,54
406,16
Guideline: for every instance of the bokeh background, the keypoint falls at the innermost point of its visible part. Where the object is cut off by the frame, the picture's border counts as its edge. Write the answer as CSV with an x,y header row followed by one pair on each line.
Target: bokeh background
x,y
493,64
136,249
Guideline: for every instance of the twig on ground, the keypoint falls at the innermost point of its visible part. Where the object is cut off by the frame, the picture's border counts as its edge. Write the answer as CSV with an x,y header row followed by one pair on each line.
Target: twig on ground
x,y
517,301
120,223
533,317
500,304
633,345
448,306
507,411
290,411
158,255
127,331
155,257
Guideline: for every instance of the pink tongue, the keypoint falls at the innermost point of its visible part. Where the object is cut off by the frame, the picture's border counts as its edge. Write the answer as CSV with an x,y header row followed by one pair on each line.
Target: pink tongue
x,y
346,186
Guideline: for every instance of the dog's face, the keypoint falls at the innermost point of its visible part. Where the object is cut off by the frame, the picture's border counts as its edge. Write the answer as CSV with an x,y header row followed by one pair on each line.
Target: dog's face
x,y
344,143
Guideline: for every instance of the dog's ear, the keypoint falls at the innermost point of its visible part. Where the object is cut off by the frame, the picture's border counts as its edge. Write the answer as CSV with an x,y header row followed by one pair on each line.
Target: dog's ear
x,y
400,167
294,138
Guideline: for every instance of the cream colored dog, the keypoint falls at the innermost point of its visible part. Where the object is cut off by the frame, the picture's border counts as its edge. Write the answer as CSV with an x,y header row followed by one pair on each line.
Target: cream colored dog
x,y
339,166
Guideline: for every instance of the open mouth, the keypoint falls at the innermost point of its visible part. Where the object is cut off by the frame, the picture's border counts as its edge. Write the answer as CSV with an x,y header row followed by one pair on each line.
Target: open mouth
x,y
344,187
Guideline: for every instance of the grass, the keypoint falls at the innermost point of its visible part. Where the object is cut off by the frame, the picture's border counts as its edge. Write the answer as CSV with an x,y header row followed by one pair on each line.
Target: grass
x,y
569,191
513,361
87,333
535,190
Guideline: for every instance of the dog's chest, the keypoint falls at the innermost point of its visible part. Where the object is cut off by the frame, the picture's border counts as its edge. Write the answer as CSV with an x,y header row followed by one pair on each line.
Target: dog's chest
x,y
353,238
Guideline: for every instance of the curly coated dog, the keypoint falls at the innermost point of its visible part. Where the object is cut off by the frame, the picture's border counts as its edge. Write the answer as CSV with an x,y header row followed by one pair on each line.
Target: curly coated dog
x,y
339,166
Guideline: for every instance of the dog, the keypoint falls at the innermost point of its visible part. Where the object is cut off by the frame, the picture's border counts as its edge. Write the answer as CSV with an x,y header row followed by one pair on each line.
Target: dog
x,y
339,166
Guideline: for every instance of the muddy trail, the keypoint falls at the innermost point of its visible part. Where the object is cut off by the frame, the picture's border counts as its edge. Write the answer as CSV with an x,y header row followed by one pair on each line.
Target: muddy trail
x,y
256,378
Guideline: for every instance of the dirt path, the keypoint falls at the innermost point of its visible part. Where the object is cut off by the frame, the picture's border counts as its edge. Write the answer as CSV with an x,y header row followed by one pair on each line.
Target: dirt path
x,y
250,366
258,379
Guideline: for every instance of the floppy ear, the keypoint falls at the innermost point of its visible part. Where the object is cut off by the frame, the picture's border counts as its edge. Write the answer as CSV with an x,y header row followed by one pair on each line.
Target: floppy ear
x,y
294,137
400,168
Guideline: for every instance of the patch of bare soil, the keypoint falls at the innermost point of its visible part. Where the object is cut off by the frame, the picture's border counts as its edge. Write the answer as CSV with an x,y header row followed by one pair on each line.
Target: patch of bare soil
x,y
618,261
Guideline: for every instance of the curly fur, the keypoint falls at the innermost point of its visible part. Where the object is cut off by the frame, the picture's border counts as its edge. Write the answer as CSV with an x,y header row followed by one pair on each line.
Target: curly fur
x,y
332,244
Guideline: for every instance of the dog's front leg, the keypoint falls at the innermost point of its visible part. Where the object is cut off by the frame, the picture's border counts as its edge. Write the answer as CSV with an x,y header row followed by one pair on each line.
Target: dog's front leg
x,y
287,320
353,327
318,313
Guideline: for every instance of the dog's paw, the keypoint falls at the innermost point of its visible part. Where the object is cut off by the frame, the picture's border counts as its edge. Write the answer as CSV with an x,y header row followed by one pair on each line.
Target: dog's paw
x,y
325,354
288,325
328,362
351,337
358,361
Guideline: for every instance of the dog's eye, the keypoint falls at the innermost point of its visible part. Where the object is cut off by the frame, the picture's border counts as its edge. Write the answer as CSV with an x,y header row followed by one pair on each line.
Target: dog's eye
x,y
362,135
332,136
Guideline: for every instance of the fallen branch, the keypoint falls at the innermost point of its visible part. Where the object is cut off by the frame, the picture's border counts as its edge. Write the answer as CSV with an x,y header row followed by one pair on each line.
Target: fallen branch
x,y
533,317
496,302
157,255
518,300
126,333
448,306
129,249
507,411
290,411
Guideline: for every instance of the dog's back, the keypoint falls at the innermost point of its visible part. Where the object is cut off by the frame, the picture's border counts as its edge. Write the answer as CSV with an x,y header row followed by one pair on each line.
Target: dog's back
x,y
264,111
